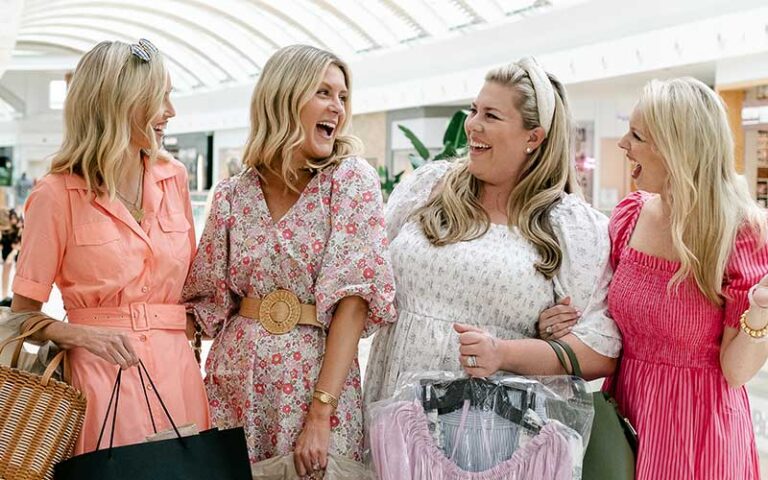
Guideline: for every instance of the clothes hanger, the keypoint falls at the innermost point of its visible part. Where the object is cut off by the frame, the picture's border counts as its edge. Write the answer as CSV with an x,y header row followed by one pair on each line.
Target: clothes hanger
x,y
447,396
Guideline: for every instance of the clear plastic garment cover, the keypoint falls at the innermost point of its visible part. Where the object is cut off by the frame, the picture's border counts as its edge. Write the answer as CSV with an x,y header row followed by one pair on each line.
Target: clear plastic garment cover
x,y
446,426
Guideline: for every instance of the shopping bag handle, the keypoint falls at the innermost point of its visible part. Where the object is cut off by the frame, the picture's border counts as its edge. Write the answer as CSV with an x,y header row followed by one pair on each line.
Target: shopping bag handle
x,y
34,324
115,396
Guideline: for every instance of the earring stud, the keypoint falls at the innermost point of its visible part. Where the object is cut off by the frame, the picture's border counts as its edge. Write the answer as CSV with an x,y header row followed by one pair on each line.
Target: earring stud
x,y
528,150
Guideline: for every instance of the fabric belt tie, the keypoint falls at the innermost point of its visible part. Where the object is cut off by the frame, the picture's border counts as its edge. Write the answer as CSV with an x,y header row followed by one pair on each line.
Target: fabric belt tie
x,y
139,317
279,312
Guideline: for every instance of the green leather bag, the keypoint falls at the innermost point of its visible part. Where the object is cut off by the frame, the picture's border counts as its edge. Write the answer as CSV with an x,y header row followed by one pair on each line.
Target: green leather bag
x,y
612,445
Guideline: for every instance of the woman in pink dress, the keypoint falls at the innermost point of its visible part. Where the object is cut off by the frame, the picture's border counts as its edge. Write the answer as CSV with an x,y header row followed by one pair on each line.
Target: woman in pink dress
x,y
111,226
292,268
686,249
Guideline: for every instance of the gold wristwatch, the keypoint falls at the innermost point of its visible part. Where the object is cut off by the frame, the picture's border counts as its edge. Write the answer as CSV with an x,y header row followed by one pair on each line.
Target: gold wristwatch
x,y
326,398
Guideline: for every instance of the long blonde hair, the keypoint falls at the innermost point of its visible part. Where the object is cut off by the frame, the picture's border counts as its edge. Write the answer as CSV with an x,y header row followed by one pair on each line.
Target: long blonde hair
x,y
709,201
455,213
109,86
289,80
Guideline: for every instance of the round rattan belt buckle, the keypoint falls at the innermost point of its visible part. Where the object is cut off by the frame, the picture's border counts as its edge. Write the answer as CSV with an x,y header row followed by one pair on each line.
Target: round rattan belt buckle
x,y
280,311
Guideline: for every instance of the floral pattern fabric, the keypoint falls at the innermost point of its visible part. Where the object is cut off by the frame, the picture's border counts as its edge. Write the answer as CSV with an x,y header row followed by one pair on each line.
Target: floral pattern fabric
x,y
489,282
331,244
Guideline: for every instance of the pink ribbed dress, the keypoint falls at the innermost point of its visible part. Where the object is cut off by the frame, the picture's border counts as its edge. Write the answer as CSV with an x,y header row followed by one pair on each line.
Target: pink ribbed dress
x,y
690,423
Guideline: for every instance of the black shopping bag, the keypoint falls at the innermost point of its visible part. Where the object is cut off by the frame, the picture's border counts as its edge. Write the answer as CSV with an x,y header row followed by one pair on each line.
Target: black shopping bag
x,y
210,455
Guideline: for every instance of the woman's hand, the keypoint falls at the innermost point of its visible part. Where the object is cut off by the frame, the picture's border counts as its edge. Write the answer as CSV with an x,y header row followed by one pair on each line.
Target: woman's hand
x,y
479,352
111,345
759,297
311,452
757,317
558,321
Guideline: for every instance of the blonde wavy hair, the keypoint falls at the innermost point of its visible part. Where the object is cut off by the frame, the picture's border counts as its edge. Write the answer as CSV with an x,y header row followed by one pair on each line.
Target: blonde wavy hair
x,y
289,80
108,90
709,201
455,214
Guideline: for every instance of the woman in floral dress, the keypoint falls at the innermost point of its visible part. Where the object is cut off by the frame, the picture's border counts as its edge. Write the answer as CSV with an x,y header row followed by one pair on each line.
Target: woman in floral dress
x,y
305,216
481,247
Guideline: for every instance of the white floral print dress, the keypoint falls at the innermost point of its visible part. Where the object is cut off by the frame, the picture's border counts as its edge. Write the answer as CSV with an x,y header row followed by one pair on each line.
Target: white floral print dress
x,y
331,244
489,282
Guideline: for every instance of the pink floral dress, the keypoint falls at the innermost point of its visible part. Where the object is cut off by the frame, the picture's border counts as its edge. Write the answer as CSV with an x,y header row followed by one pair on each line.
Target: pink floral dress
x,y
331,244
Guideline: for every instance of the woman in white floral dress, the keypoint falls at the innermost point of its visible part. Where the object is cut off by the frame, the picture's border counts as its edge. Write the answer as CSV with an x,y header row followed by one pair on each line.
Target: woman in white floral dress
x,y
305,217
481,247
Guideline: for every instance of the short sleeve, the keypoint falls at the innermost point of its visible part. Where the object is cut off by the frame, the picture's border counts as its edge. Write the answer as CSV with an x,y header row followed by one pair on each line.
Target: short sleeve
x,y
586,272
412,193
356,258
207,293
747,265
622,223
45,237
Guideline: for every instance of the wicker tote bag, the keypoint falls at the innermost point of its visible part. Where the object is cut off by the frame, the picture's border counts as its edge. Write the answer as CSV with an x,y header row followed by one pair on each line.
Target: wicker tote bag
x,y
40,418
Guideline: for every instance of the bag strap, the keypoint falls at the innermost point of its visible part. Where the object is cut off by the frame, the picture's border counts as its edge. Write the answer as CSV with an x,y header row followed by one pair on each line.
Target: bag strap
x,y
560,356
559,347
38,322
116,397
575,365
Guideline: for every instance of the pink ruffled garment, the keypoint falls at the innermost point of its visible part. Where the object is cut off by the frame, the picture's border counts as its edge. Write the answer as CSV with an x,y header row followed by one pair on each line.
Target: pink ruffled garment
x,y
402,448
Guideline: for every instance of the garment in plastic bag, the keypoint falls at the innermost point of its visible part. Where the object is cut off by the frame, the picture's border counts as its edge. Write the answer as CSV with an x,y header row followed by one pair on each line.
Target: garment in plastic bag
x,y
446,426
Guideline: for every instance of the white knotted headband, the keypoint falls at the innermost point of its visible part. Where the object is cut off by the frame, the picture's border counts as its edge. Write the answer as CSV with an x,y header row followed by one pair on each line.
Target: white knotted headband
x,y
545,93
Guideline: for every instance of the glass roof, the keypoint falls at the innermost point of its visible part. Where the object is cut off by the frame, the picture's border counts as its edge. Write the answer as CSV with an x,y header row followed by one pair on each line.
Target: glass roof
x,y
212,44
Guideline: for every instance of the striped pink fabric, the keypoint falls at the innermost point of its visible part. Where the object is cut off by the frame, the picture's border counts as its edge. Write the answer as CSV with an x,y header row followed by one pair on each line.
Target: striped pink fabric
x,y
690,423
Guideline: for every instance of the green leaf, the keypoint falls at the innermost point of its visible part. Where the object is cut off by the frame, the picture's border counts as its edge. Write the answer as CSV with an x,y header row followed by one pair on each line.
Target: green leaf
x,y
417,144
454,134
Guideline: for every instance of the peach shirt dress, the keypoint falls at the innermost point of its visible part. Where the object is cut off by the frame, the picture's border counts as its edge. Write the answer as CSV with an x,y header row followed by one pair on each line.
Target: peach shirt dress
x,y
116,273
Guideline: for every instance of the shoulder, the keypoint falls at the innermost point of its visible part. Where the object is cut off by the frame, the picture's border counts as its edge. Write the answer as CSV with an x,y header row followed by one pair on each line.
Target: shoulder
x,y
625,213
223,189
167,166
572,212
432,171
424,179
629,207
53,187
355,168
749,244
57,181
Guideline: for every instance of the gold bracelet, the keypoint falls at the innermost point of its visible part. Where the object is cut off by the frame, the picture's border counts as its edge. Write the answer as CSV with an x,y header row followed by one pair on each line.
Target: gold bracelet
x,y
326,398
758,335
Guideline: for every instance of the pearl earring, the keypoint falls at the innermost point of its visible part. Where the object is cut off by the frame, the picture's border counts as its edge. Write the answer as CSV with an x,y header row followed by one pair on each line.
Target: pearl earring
x,y
528,150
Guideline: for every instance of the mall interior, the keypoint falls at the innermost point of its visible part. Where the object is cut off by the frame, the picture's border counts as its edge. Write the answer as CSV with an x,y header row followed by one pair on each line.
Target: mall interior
x,y
414,63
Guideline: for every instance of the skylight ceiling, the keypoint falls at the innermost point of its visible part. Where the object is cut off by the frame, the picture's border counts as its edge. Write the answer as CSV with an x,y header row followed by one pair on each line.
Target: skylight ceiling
x,y
210,45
